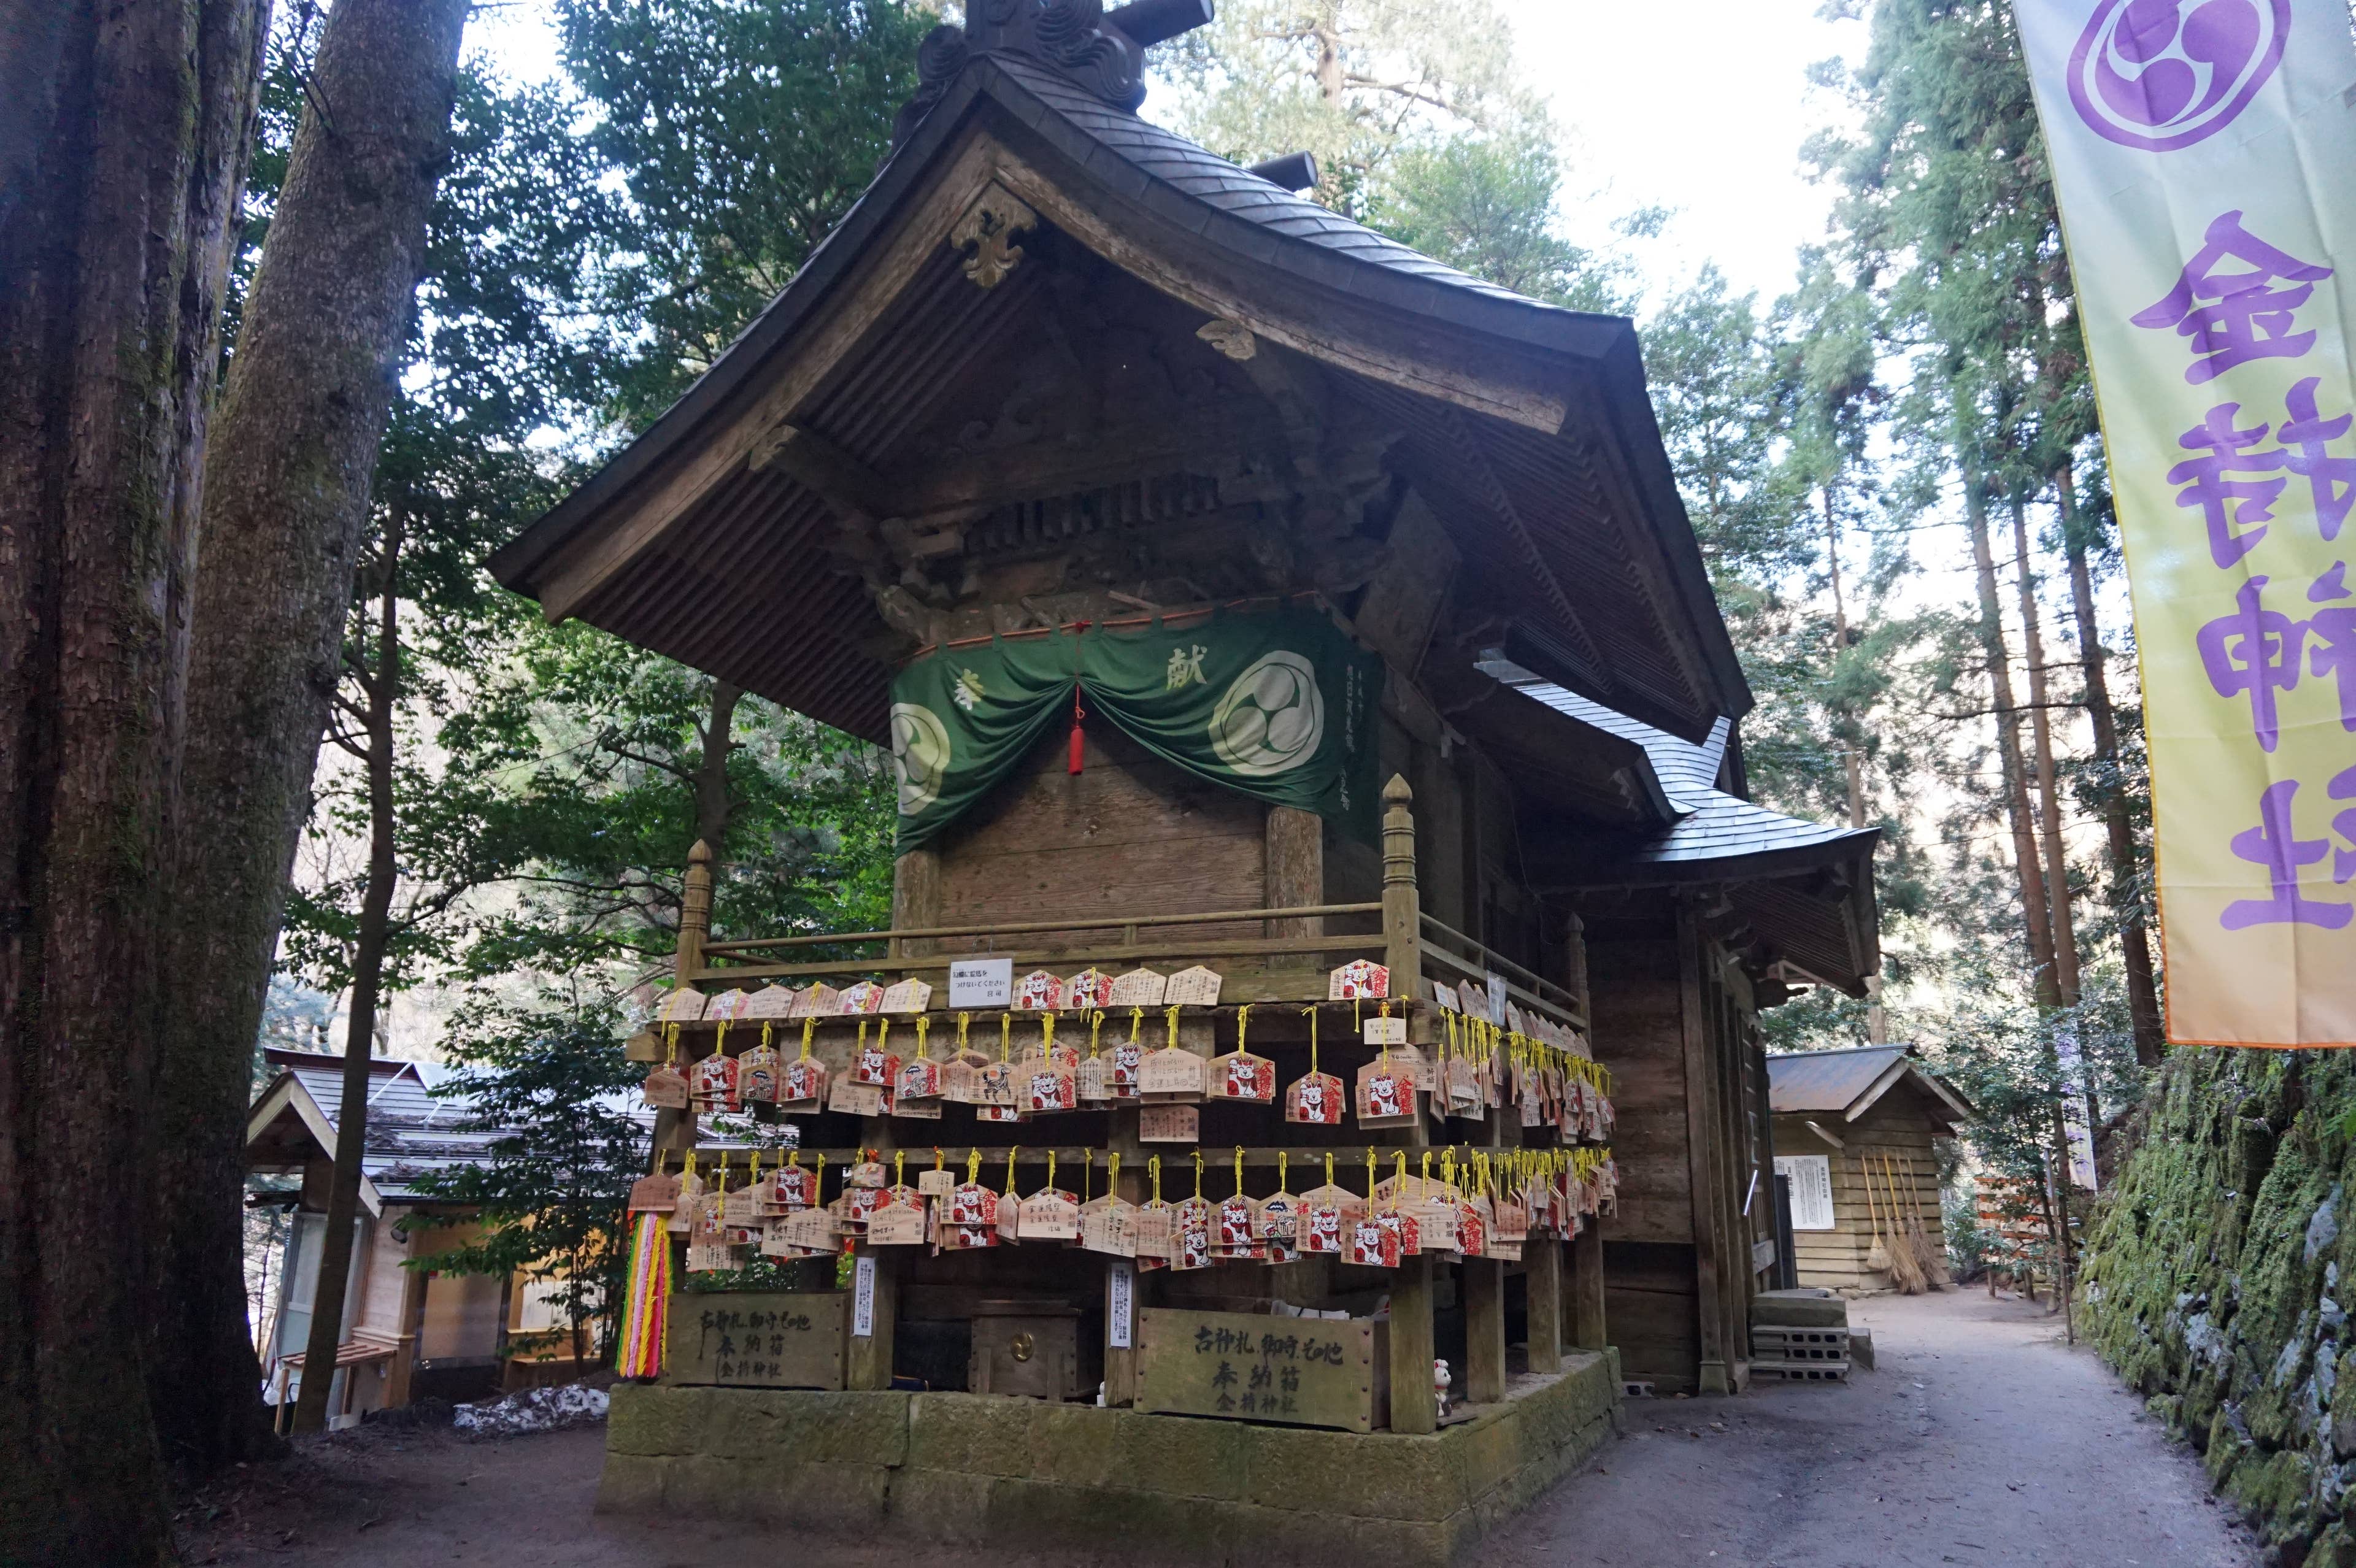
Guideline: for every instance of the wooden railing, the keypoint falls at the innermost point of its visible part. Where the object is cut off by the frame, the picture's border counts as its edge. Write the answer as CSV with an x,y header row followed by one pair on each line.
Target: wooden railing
x,y
1411,943
902,954
1448,952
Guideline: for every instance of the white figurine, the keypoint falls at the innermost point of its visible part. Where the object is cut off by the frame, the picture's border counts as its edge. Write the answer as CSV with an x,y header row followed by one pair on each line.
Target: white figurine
x,y
1441,1383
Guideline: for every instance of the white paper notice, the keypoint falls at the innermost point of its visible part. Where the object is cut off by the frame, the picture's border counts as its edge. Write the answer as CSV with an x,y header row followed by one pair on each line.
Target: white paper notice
x,y
981,982
1120,1298
1812,1189
863,1299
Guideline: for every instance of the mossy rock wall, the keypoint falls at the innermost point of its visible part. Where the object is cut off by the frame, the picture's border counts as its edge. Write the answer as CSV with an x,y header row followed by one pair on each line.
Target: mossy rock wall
x,y
2213,1275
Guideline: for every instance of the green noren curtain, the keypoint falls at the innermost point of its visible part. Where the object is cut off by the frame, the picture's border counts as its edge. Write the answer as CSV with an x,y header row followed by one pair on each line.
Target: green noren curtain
x,y
1277,703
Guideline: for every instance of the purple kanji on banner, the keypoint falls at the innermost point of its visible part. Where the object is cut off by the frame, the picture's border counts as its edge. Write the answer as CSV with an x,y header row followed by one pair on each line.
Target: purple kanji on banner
x,y
2226,504
2247,317
2255,650
2343,863
2333,656
2274,845
2302,436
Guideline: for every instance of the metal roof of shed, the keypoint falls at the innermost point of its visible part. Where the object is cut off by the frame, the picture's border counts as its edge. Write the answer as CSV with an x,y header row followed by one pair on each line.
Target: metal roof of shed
x,y
1848,1083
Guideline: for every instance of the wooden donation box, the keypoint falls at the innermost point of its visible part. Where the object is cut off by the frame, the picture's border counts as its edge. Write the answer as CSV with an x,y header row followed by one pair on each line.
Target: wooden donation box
x,y
1247,1366
1034,1354
756,1340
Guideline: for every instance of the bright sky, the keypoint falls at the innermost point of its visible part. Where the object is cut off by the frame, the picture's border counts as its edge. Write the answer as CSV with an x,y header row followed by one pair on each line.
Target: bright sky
x,y
1698,105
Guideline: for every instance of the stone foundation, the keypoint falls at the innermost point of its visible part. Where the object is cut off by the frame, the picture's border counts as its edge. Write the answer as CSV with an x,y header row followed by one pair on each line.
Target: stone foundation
x,y
1001,1472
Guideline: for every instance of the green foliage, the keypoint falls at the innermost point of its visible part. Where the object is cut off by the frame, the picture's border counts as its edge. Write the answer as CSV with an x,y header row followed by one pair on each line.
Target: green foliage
x,y
594,747
742,132
550,1080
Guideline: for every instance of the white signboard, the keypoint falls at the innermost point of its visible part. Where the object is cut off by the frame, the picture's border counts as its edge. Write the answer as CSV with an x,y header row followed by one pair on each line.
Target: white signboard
x,y
981,982
1812,1189
1497,999
862,1299
1121,1298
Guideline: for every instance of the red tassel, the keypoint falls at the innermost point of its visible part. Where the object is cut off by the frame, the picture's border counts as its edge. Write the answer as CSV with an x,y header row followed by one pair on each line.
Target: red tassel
x,y
1077,712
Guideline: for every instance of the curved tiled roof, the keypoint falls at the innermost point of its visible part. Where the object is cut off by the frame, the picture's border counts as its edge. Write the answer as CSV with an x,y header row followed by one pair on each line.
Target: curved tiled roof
x,y
1715,826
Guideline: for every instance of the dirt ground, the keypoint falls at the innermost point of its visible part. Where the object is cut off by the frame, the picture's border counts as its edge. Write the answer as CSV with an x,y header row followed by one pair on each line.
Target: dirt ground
x,y
1980,1440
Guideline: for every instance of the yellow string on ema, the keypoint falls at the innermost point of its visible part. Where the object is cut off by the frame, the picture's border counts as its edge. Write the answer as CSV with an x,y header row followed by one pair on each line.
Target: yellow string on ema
x,y
809,1027
1311,1013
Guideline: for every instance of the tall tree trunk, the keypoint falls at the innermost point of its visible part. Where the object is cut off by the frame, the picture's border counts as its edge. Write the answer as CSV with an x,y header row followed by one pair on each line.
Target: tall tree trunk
x,y
126,134
309,391
711,798
381,688
2127,901
2063,926
1877,1021
2008,734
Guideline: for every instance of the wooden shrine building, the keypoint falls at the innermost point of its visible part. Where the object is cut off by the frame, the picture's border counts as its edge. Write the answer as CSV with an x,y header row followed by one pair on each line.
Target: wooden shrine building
x,y
1243,596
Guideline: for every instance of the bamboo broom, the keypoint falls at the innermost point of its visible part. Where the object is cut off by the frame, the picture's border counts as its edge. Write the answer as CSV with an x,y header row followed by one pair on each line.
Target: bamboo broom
x,y
1876,1256
1933,1262
1905,1266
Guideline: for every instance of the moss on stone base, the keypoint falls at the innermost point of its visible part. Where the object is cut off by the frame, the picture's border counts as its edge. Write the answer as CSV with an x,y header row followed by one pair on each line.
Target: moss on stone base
x,y
977,1470
2212,1275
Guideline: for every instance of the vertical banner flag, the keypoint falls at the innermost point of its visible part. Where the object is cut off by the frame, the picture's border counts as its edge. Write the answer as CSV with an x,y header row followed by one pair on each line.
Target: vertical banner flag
x,y
2205,155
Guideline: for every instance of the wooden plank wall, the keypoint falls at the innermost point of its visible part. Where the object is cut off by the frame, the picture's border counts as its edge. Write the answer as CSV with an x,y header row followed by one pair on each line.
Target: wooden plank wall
x,y
1650,1307
1129,835
1899,1126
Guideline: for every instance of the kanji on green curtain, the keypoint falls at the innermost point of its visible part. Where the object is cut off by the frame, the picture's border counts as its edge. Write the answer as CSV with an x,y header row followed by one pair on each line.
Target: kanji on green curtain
x,y
1278,703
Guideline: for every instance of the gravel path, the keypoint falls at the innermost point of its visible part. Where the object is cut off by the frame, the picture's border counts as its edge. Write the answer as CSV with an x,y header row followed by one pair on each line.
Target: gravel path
x,y
1980,1440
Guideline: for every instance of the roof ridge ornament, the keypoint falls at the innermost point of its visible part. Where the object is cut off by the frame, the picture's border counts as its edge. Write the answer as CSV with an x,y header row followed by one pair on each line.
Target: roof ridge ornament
x,y
1104,55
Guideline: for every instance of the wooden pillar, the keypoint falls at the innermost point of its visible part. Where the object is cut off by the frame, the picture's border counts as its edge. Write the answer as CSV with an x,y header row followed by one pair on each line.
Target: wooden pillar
x,y
675,1129
916,899
1587,1328
1542,1279
1296,870
868,1363
1120,1363
695,913
1402,917
1714,1374
399,1376
1574,965
1484,1331
1413,1407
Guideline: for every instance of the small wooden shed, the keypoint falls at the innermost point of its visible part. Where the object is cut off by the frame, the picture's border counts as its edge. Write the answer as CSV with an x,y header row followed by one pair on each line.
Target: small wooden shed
x,y
1857,1133
408,1332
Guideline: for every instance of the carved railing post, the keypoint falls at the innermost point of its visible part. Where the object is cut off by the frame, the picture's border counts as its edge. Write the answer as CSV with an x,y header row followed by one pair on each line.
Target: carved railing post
x,y
675,1128
1402,916
695,913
